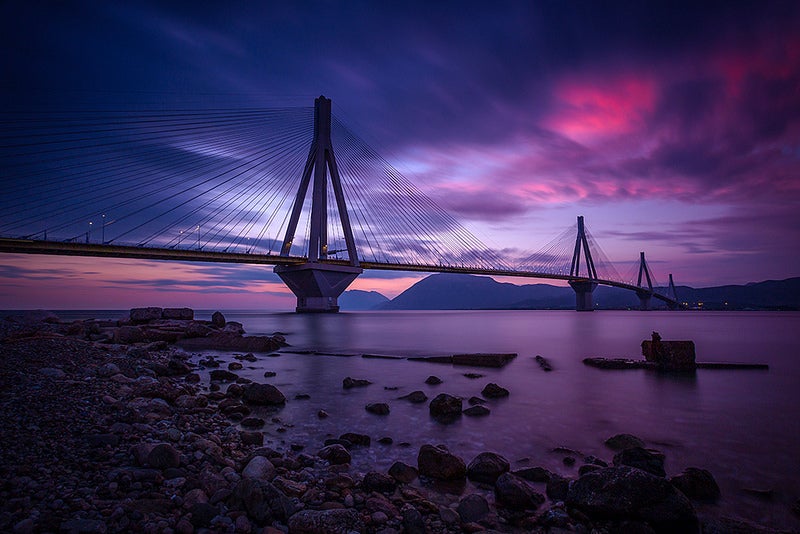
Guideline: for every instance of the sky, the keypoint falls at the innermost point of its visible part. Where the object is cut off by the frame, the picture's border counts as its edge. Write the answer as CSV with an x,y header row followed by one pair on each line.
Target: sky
x,y
673,127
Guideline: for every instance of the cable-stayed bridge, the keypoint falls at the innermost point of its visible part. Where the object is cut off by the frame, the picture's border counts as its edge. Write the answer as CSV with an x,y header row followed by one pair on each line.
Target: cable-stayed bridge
x,y
258,186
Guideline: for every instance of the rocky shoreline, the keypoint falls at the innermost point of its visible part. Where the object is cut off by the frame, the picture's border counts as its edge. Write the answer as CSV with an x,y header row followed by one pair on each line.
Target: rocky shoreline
x,y
107,427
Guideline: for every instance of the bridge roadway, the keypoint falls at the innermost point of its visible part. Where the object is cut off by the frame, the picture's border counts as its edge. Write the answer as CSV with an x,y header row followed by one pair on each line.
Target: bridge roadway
x,y
29,246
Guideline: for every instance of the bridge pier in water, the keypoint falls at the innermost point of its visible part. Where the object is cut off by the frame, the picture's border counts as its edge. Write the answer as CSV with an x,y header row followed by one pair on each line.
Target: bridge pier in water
x,y
583,294
644,300
317,286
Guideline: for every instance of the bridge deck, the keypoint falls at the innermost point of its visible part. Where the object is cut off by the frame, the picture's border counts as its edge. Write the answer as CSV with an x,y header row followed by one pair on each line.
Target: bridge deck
x,y
29,246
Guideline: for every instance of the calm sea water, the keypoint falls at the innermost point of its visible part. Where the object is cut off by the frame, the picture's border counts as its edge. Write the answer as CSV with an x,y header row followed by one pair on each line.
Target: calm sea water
x,y
744,426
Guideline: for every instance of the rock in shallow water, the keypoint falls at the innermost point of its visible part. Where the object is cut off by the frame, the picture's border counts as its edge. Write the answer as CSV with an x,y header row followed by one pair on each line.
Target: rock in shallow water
x,y
377,408
493,391
648,460
445,406
623,441
515,493
437,462
487,467
619,493
263,394
697,484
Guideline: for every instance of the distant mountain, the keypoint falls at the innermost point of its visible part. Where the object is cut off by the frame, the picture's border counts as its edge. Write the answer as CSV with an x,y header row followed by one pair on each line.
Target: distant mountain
x,y
467,292
357,300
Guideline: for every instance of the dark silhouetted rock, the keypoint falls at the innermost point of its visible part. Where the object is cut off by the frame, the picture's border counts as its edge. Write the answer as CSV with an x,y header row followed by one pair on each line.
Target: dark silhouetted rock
x,y
627,493
263,395
445,407
493,391
515,493
413,522
477,411
378,408
472,508
251,438
374,481
437,462
262,501
335,454
697,484
415,396
645,459
543,363
221,375
252,422
361,440
145,315
218,320
349,383
163,456
474,401
180,314
534,474
403,472
557,487
433,380
623,441
487,467
259,467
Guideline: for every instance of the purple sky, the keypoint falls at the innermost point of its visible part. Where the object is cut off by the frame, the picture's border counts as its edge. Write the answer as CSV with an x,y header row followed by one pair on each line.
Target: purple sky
x,y
673,127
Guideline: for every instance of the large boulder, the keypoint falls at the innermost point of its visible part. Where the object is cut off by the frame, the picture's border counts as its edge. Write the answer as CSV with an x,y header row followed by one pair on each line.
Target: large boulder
x,y
145,315
259,467
437,462
403,472
627,493
218,320
445,407
515,493
697,484
336,521
487,467
263,502
263,395
472,508
180,314
163,456
335,454
648,460
623,441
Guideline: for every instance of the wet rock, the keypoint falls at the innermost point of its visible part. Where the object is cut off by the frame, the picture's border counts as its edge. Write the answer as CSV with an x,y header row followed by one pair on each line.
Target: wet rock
x,y
252,422
260,468
568,461
543,363
270,374
403,472
437,462
377,408
515,493
262,501
623,441
340,521
557,488
477,411
252,438
221,375
202,514
349,383
235,366
493,391
487,467
648,460
361,440
473,375
163,456
263,394
697,484
335,454
618,493
534,474
386,440
302,396
83,526
413,523
433,380
474,401
322,414
415,397
587,468
445,406
375,481
218,320
472,508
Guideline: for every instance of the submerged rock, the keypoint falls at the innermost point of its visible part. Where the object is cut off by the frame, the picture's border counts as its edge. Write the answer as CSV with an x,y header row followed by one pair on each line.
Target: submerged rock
x,y
648,460
445,407
415,397
377,408
263,394
349,383
697,484
493,391
623,441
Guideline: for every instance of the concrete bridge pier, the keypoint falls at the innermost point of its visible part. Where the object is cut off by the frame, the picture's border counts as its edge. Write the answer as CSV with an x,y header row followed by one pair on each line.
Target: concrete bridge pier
x,y
644,300
317,286
583,294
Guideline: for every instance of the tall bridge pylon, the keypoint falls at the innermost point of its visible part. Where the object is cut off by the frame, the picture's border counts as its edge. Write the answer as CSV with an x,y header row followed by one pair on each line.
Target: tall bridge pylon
x,y
316,285
646,293
584,287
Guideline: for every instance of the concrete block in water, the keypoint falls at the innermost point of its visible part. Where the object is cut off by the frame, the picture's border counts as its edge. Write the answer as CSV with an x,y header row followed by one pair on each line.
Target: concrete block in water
x,y
669,355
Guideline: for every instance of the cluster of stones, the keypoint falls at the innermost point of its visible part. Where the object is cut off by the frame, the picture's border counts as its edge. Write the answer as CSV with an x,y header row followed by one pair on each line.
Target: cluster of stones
x,y
147,325
103,438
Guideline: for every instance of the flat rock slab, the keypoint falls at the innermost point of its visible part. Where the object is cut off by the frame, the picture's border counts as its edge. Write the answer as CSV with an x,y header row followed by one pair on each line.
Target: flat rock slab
x,y
473,360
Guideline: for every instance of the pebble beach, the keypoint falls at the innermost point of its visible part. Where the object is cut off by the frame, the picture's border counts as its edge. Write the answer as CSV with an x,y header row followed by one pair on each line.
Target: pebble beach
x,y
108,426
